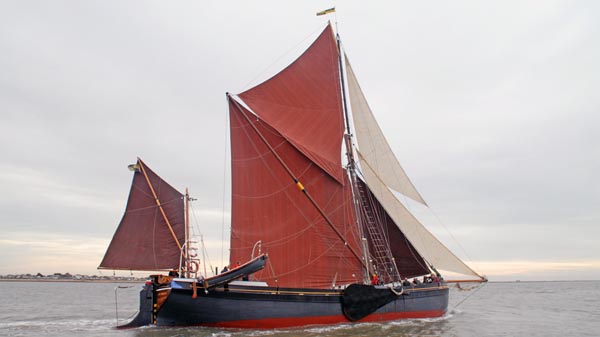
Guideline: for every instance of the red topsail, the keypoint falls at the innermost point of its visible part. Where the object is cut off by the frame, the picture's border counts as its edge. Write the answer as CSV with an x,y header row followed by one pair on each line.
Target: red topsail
x,y
303,103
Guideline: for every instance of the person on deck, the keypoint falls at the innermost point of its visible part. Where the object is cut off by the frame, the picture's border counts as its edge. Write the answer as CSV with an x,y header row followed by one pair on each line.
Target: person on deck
x,y
225,269
375,279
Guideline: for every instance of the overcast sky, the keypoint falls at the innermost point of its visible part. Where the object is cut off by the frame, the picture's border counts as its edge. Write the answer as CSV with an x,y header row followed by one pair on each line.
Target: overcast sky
x,y
493,109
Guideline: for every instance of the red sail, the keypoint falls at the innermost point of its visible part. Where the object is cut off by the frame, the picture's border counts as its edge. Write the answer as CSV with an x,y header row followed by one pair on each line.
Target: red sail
x,y
144,240
303,103
267,205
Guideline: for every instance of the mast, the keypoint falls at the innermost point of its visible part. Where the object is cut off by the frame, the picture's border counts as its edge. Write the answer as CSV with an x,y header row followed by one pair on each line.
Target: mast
x,y
352,165
343,85
187,232
382,261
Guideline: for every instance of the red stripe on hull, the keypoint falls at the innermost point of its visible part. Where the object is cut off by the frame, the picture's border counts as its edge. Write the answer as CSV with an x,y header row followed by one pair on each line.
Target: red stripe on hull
x,y
272,323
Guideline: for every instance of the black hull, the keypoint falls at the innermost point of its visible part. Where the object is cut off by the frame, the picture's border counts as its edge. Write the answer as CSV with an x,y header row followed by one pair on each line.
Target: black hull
x,y
266,307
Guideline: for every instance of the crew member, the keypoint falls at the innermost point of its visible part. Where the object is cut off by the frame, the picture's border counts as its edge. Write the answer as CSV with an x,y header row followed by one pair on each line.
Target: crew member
x,y
375,279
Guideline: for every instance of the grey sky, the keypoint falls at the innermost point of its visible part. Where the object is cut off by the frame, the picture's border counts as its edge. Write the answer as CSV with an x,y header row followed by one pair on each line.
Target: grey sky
x,y
491,107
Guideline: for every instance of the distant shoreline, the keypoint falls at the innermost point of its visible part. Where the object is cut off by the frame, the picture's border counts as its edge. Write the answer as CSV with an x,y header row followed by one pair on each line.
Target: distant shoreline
x,y
72,280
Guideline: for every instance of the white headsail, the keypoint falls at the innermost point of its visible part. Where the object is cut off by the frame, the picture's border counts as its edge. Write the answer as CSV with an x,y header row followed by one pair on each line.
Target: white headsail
x,y
381,171
374,146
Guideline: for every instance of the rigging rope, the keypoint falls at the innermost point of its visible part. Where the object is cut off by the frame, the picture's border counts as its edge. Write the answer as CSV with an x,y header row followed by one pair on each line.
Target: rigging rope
x,y
117,301
453,238
247,85
203,246
224,187
471,294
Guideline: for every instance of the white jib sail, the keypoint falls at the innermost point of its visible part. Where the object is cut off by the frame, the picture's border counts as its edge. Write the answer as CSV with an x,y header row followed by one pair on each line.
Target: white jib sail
x,y
381,170
373,145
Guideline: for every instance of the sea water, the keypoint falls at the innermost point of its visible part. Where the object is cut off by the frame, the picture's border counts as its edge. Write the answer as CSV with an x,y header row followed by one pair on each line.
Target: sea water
x,y
495,309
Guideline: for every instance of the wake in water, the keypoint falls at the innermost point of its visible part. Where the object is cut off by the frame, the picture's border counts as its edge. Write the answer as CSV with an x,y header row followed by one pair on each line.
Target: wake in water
x,y
422,326
76,327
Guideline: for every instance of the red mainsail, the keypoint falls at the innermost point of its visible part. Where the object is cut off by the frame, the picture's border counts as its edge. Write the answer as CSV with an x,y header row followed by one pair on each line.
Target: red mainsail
x,y
152,229
294,131
267,206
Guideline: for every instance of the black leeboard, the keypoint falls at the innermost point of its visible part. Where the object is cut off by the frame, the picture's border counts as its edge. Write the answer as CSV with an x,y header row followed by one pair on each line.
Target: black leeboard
x,y
360,300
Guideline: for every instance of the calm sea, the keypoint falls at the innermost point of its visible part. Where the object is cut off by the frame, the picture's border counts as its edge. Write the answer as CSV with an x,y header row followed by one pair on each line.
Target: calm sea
x,y
496,309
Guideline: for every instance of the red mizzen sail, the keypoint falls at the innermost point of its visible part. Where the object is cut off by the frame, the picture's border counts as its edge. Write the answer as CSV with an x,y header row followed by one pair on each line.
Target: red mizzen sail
x,y
145,238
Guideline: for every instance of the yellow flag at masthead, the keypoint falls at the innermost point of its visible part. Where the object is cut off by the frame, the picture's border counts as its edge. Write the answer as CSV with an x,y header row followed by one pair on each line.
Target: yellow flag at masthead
x,y
327,11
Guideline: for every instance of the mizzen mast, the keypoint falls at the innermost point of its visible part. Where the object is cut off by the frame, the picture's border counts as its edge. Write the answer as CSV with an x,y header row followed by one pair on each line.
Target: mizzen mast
x,y
187,232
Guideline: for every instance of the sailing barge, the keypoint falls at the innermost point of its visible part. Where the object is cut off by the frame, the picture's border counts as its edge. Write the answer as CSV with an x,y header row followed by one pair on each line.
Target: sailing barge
x,y
314,228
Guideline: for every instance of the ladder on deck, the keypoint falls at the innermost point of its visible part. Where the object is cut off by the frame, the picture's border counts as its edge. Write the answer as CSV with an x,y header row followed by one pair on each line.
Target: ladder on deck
x,y
379,243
